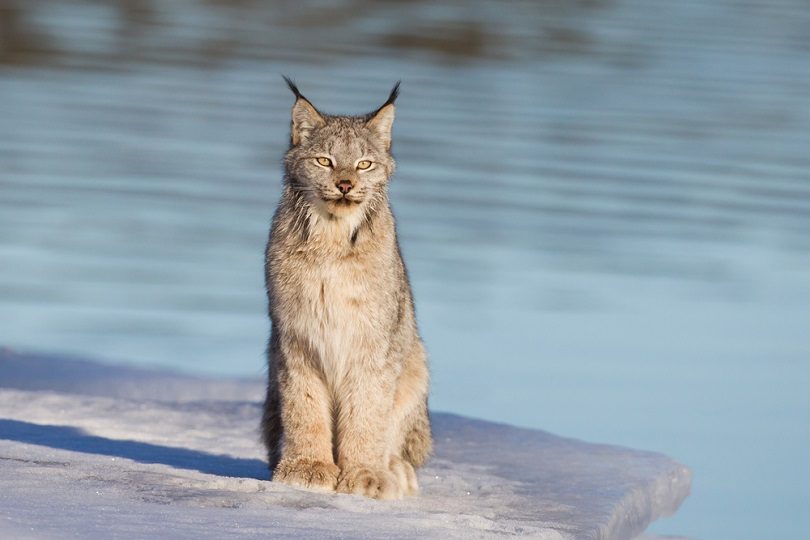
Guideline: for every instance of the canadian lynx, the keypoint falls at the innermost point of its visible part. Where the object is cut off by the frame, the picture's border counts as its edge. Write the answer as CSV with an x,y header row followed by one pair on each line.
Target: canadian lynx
x,y
346,405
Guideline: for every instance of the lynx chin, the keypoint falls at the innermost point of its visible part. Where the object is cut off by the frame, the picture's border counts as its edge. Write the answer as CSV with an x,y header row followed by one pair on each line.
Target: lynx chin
x,y
346,405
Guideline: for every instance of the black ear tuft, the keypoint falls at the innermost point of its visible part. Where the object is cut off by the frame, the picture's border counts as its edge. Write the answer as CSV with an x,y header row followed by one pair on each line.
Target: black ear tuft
x,y
392,97
294,88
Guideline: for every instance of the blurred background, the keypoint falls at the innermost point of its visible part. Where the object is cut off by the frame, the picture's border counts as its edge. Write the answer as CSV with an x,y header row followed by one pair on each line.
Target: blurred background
x,y
604,206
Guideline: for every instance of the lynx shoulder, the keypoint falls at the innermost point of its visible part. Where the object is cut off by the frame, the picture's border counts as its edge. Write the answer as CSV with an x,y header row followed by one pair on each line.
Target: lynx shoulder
x,y
346,406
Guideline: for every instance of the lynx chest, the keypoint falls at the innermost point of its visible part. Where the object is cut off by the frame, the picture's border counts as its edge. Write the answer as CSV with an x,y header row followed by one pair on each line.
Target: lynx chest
x,y
341,306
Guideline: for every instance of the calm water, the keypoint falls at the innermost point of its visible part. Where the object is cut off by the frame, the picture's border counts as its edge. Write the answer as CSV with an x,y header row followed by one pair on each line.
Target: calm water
x,y
605,208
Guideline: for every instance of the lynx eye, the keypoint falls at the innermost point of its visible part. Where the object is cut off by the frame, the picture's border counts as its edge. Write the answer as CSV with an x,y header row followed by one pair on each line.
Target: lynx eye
x,y
365,164
324,162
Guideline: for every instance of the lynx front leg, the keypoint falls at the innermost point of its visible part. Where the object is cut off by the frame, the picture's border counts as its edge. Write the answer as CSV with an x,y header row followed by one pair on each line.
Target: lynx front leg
x,y
363,440
306,457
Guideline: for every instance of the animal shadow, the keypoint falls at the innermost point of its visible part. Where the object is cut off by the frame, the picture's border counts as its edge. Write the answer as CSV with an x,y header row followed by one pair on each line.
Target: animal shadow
x,y
76,440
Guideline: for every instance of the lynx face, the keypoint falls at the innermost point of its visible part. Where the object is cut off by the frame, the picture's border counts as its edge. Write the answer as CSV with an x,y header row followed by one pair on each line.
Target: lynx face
x,y
341,164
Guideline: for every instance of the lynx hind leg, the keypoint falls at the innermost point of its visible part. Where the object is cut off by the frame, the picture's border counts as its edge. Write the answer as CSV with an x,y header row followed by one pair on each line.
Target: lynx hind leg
x,y
414,450
405,474
418,444
271,428
414,442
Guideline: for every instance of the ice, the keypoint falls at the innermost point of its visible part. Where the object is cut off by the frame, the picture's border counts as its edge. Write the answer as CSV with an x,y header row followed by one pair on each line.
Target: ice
x,y
97,451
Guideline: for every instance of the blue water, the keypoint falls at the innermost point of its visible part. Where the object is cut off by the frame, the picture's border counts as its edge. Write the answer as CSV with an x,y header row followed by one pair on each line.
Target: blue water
x,y
604,206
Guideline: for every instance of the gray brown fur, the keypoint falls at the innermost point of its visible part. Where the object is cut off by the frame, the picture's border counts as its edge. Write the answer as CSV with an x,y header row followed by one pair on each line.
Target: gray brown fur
x,y
346,405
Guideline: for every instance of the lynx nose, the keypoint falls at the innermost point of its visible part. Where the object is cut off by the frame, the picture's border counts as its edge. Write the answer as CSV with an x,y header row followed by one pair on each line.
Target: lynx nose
x,y
345,186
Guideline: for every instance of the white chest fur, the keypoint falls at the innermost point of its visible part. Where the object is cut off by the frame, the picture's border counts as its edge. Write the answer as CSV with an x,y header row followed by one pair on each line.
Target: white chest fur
x,y
336,307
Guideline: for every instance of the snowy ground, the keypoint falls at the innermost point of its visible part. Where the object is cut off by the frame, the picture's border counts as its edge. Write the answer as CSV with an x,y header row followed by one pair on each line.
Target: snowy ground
x,y
96,451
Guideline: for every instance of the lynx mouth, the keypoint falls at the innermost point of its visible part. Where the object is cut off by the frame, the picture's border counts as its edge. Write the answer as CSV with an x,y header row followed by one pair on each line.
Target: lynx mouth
x,y
341,206
343,201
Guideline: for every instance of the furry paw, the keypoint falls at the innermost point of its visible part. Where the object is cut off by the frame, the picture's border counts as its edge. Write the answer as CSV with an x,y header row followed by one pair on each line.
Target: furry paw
x,y
405,474
308,473
374,483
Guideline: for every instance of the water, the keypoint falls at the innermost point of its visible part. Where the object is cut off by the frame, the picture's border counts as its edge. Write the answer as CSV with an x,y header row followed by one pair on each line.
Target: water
x,y
605,208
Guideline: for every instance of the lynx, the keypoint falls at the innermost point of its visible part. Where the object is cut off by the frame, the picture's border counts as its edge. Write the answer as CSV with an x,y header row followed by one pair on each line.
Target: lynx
x,y
346,407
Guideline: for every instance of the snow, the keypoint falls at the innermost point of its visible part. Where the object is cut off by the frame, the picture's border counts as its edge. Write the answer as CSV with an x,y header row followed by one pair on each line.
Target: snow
x,y
88,450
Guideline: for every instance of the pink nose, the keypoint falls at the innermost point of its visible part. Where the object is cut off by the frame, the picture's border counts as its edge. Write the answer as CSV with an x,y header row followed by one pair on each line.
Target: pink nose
x,y
345,186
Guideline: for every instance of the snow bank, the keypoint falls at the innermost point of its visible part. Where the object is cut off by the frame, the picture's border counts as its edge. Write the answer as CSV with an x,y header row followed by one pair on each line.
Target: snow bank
x,y
98,451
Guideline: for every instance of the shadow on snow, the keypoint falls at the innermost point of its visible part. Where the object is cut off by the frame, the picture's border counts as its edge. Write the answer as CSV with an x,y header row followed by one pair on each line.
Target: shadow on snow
x,y
76,440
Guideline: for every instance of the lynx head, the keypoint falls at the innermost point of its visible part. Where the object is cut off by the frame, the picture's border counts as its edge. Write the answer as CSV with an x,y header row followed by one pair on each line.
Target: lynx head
x,y
340,164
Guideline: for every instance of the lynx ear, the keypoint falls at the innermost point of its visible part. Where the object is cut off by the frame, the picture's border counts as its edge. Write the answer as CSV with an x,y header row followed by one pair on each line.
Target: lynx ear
x,y
381,120
305,117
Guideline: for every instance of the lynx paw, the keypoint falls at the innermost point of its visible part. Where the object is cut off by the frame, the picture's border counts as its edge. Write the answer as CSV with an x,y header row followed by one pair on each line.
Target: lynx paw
x,y
405,474
374,483
308,473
